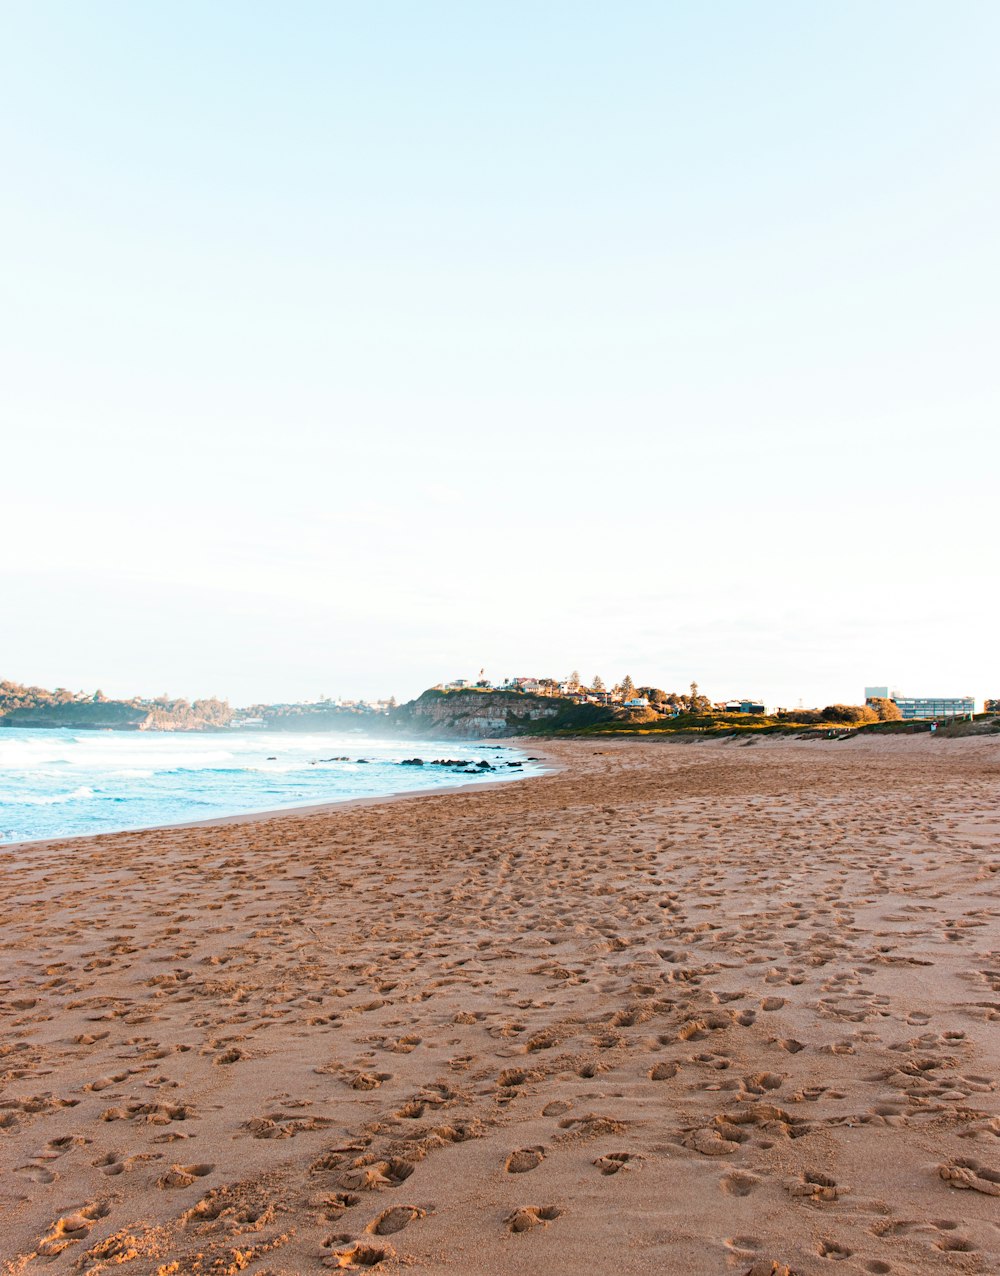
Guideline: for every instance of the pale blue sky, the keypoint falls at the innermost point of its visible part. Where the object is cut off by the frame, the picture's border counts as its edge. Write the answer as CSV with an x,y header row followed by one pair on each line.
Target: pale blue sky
x,y
346,348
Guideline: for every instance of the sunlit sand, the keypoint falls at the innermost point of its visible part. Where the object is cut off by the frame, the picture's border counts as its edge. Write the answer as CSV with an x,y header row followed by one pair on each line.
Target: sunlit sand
x,y
694,1008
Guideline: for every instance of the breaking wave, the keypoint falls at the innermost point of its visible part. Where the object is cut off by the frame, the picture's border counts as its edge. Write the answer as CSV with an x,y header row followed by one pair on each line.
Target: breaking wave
x,y
58,783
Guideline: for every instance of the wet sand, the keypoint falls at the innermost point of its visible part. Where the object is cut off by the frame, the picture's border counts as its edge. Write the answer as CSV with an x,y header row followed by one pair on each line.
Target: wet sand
x,y
701,1008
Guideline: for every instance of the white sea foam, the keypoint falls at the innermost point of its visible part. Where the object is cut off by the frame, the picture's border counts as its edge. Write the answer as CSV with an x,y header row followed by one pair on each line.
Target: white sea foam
x,y
61,783
46,799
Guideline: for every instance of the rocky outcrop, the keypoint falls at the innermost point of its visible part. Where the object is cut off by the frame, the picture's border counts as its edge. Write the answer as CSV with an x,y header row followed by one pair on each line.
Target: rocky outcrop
x,y
486,714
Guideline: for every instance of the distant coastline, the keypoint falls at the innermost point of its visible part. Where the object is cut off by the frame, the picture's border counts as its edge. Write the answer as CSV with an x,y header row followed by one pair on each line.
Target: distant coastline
x,y
471,712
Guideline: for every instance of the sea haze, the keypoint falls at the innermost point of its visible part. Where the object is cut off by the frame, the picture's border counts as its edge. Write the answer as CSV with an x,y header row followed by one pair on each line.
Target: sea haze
x,y
67,783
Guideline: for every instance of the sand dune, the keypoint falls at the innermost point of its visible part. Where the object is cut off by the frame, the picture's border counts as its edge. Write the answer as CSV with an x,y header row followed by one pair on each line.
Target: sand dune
x,y
676,1008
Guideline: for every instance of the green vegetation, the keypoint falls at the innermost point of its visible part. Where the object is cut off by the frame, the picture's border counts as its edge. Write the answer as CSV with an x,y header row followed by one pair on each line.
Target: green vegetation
x,y
701,724
836,721
886,710
570,718
668,714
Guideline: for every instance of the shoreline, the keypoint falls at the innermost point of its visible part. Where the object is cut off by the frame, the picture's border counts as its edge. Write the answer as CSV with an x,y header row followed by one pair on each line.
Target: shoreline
x,y
273,813
874,743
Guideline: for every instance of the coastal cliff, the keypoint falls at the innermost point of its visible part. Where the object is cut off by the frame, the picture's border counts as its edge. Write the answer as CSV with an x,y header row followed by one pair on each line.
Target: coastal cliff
x,y
111,715
496,713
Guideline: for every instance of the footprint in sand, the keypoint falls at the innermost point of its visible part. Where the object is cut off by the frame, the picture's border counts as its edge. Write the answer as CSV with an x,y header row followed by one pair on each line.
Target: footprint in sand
x,y
71,1228
368,1080
529,1216
955,1245
376,1175
967,1174
816,1187
184,1175
833,1250
37,1173
612,1162
336,1204
152,1113
357,1257
524,1159
743,1244
761,1082
104,1083
394,1219
739,1182
556,1108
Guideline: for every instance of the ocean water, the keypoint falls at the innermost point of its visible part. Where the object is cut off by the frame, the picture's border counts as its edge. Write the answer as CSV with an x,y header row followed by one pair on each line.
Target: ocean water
x,y
66,783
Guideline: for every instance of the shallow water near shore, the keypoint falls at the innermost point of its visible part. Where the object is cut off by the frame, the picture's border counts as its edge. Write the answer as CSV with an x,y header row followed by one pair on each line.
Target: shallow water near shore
x,y
63,783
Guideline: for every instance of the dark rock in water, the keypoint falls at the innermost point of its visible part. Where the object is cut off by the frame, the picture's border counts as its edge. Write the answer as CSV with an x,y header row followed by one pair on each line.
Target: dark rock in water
x,y
272,758
515,763
534,759
484,765
412,762
362,760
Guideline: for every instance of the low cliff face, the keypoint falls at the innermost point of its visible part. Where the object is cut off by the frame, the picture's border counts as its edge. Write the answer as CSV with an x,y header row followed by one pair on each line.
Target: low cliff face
x,y
490,714
111,715
108,715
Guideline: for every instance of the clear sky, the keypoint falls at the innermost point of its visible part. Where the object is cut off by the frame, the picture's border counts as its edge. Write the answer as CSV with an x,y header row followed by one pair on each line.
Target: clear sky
x,y
349,347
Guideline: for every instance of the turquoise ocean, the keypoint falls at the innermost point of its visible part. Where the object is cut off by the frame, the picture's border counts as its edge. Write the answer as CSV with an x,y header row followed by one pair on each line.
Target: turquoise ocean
x,y
64,783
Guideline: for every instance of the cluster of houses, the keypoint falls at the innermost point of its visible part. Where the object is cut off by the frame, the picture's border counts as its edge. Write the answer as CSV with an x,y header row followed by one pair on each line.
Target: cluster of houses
x,y
261,716
583,695
546,687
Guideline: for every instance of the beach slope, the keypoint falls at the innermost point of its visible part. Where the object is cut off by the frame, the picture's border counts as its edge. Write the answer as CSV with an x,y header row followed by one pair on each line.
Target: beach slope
x,y
693,1008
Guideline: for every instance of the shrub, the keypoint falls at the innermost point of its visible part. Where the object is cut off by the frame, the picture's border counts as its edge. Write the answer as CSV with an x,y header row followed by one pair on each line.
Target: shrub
x,y
886,710
850,713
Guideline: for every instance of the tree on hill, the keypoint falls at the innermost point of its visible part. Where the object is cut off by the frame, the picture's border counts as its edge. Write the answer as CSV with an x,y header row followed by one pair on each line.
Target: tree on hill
x,y
213,711
653,694
696,702
887,710
598,683
628,688
573,681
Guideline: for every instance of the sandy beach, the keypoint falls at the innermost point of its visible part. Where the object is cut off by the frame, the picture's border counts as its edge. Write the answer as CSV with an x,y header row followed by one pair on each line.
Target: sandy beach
x,y
673,1008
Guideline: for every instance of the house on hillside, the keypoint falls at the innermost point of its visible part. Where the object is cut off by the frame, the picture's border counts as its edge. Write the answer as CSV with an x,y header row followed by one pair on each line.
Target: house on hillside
x,y
744,706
